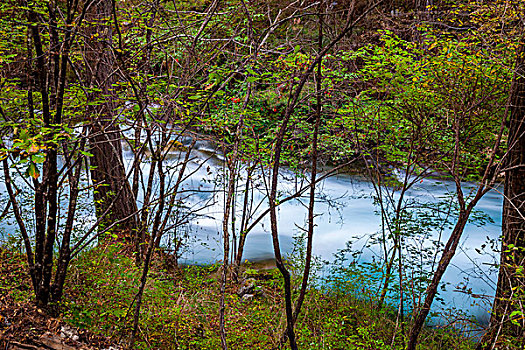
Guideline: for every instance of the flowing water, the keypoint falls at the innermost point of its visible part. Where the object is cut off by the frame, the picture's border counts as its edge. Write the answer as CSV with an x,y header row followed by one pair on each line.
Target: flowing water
x,y
346,212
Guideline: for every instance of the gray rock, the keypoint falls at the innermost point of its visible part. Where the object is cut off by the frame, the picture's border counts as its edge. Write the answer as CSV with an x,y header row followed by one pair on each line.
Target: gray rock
x,y
68,332
248,288
248,297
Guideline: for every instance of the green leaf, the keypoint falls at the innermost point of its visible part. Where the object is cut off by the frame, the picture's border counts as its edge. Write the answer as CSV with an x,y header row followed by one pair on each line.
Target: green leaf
x,y
515,317
87,154
32,171
38,158
24,135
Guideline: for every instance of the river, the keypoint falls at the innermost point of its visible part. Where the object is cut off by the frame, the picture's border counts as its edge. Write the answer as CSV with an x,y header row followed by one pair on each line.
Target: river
x,y
347,216
346,212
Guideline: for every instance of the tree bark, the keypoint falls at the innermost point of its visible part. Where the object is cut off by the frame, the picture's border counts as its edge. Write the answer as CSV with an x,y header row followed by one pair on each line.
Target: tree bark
x,y
448,253
114,199
510,283
313,175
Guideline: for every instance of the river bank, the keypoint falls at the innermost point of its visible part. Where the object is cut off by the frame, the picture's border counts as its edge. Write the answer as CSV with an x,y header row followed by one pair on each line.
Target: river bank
x,y
348,221
180,309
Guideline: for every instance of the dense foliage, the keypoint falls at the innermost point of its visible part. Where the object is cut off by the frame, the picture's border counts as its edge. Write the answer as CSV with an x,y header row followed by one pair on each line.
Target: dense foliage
x,y
407,90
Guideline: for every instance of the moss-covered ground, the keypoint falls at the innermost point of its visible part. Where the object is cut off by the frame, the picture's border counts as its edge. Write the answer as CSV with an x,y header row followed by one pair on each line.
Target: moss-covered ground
x,y
181,308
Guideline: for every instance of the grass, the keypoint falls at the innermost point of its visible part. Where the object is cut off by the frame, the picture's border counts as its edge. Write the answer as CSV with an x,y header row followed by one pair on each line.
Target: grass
x,y
181,308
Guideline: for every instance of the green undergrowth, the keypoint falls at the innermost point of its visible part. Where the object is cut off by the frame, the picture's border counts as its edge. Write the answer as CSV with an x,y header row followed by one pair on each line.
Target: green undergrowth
x,y
181,308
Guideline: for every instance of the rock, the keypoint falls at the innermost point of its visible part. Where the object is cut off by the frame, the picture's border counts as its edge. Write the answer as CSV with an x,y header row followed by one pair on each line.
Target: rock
x,y
54,342
248,297
68,332
247,289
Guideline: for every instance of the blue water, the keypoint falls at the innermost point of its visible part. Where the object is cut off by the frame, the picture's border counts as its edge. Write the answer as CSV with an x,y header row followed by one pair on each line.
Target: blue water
x,y
346,216
346,213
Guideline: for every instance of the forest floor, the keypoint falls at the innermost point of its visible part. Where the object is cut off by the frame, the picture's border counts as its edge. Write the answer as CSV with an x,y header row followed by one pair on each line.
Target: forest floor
x,y
25,326
181,308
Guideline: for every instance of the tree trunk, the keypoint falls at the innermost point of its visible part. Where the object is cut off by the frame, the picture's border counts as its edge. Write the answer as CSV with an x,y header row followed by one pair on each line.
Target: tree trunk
x,y
510,281
448,253
114,199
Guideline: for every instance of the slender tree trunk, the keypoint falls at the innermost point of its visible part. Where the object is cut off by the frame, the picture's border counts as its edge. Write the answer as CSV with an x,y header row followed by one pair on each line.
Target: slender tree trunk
x,y
151,244
448,253
276,158
231,162
40,187
311,203
229,193
452,243
64,254
50,80
246,212
46,201
159,223
465,210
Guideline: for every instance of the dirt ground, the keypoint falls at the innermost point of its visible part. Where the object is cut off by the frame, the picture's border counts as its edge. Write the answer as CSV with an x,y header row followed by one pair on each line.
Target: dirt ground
x,y
25,326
